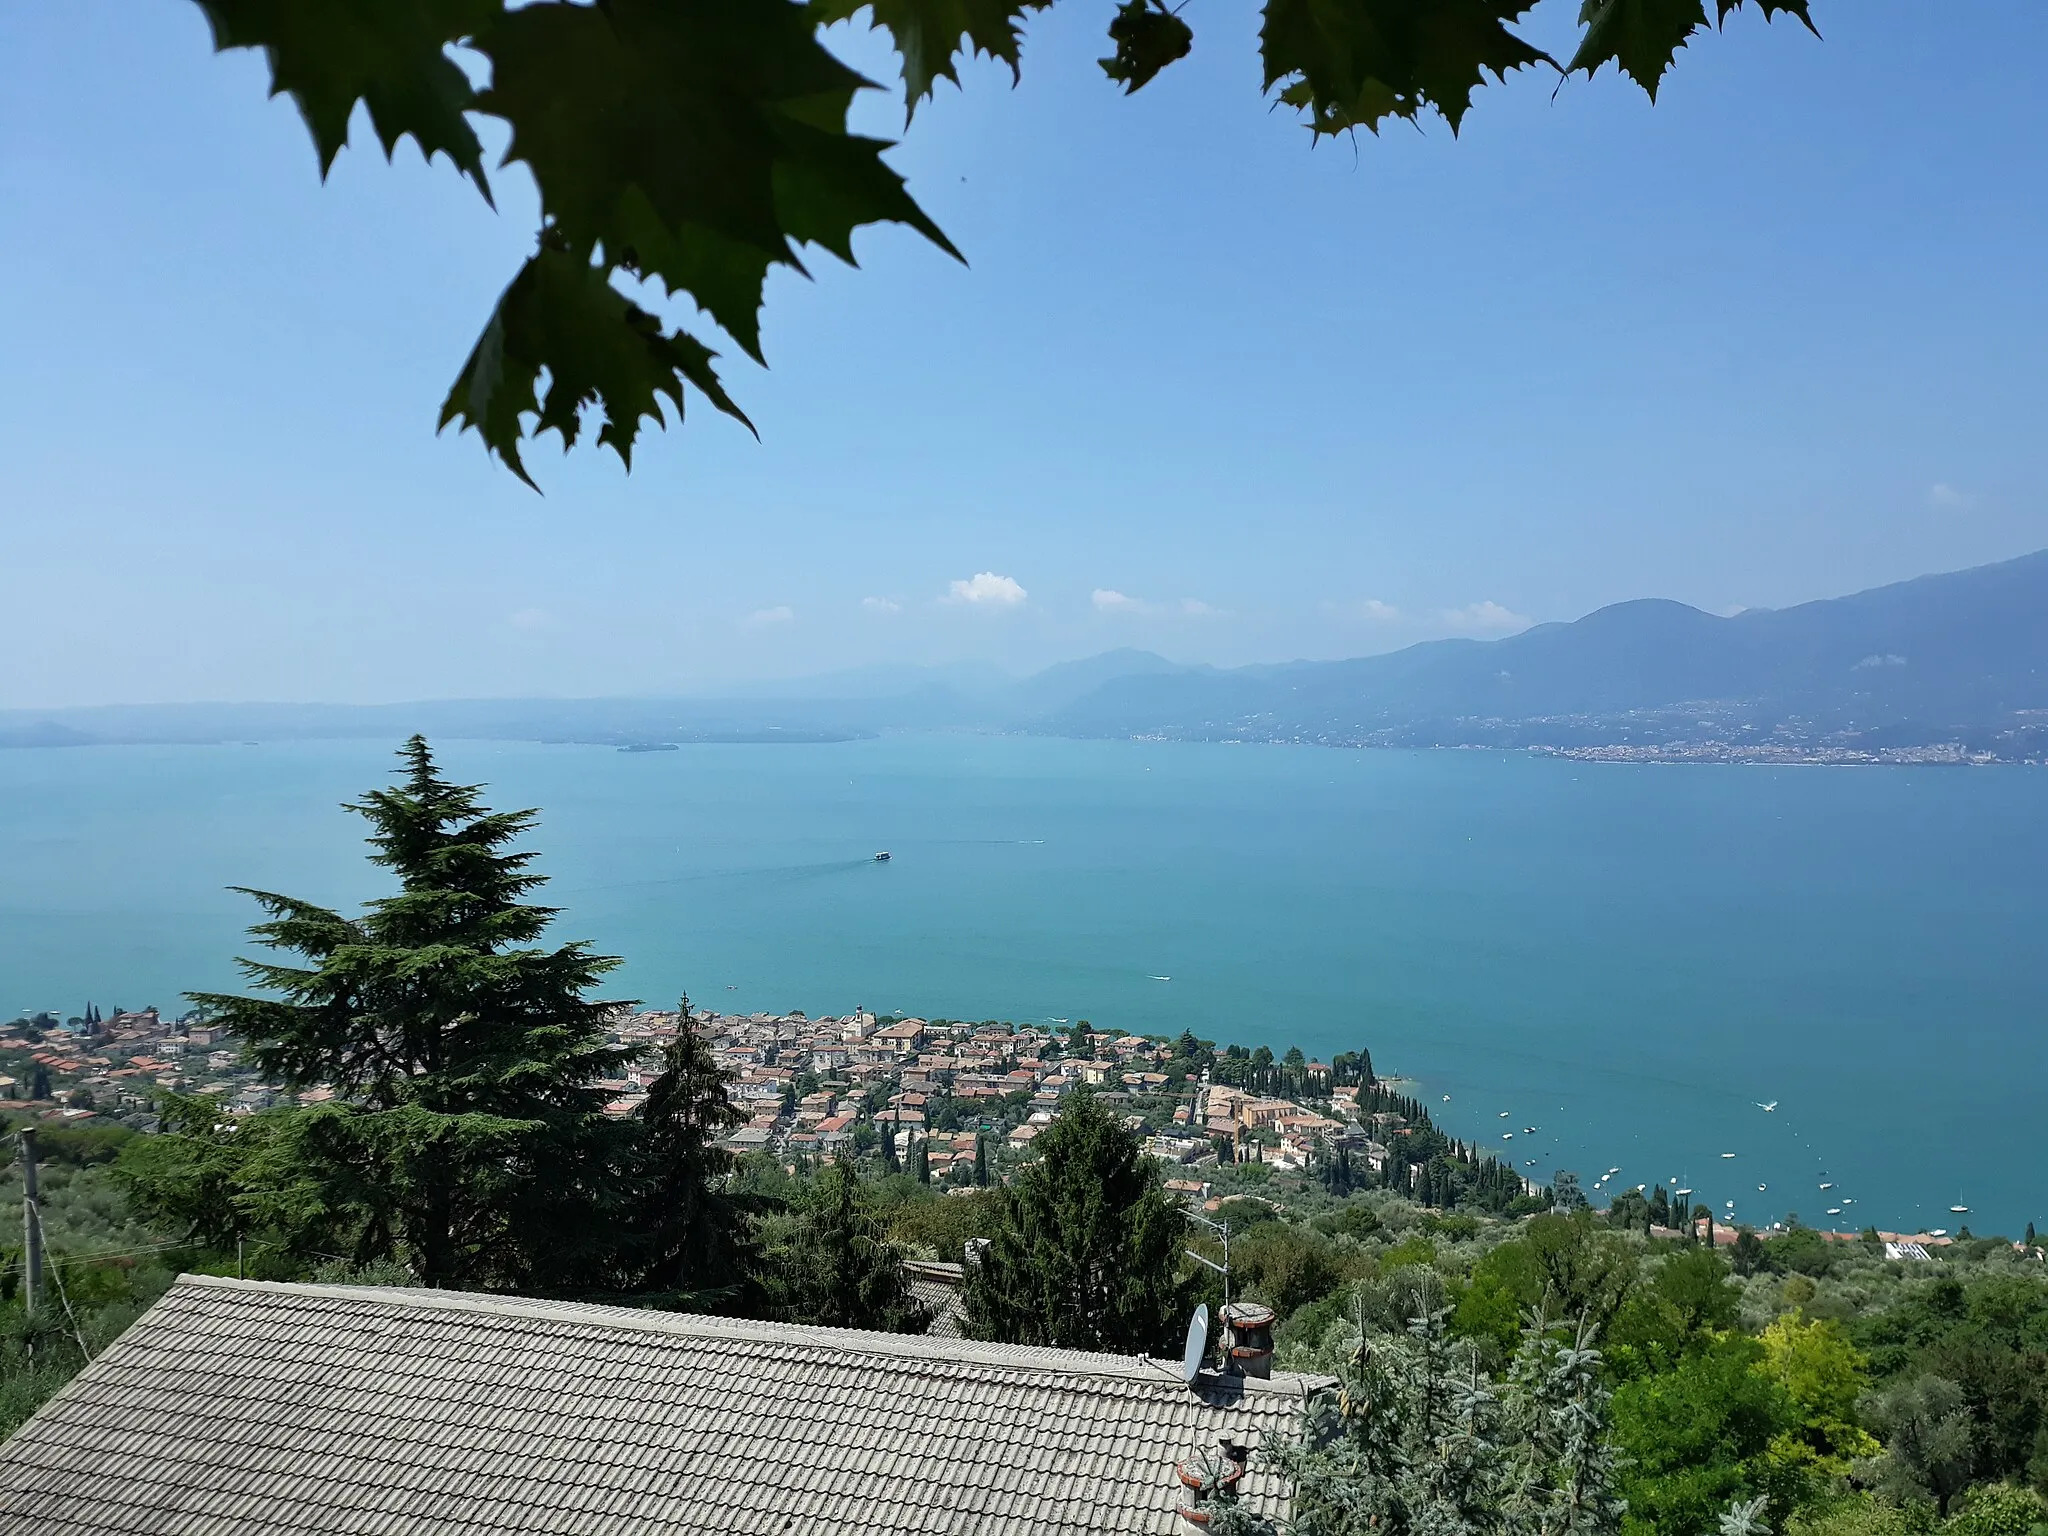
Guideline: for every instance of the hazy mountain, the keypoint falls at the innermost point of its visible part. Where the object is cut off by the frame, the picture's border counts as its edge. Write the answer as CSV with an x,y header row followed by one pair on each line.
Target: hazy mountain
x,y
830,708
1958,657
1062,686
887,680
1961,653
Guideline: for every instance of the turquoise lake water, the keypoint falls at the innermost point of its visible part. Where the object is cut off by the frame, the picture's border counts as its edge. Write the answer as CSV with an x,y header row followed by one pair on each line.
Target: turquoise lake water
x,y
1627,957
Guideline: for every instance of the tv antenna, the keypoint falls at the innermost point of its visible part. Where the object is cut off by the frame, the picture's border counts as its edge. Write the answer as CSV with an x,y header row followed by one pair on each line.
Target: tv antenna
x,y
1223,1269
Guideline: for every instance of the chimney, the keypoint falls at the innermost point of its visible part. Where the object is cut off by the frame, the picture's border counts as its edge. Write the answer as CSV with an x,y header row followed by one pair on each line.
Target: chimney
x,y
1248,1343
1204,1477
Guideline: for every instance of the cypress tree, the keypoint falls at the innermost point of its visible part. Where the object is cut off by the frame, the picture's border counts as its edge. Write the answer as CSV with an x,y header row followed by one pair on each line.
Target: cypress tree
x,y
468,1133
921,1160
39,1082
691,1228
980,1160
1089,1255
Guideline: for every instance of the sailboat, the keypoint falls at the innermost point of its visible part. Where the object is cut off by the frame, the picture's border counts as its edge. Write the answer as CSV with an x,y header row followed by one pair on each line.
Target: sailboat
x,y
1959,1208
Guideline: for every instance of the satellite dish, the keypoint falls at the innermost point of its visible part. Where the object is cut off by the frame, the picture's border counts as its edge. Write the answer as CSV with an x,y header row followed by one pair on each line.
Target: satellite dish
x,y
1198,1344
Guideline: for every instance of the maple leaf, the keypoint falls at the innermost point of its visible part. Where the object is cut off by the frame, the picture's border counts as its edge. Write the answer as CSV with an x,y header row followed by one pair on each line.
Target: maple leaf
x,y
928,35
697,141
1148,37
392,55
1770,8
561,315
1642,37
1353,63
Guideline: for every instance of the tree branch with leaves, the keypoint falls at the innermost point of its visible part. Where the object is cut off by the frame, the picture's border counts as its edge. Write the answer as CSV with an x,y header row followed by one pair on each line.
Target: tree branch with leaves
x,y
690,146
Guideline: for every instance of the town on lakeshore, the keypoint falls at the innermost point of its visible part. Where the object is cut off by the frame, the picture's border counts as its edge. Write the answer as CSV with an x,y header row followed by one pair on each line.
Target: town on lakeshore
x,y
807,1087
957,1102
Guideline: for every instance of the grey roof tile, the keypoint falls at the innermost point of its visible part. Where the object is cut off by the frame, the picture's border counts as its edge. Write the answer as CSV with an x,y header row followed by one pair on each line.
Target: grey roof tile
x,y
281,1410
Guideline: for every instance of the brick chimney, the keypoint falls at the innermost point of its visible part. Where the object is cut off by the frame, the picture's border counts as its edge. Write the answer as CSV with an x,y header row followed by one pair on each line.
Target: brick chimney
x,y
1248,1339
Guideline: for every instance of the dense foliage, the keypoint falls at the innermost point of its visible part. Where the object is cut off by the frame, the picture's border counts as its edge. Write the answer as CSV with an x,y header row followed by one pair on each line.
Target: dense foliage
x,y
1089,1253
831,1261
1814,1403
692,145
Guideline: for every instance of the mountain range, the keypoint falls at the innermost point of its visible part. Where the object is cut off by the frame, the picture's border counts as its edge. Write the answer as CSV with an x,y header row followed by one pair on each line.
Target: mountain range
x,y
1956,657
1958,660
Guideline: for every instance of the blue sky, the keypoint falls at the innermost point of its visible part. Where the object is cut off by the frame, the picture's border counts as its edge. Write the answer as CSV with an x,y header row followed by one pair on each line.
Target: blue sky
x,y
1203,388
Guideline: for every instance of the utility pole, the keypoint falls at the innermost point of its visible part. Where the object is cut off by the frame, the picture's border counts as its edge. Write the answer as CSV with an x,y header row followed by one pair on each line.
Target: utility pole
x,y
32,1224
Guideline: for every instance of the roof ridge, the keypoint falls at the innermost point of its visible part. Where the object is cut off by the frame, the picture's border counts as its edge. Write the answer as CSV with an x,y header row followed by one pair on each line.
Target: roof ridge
x,y
1022,1358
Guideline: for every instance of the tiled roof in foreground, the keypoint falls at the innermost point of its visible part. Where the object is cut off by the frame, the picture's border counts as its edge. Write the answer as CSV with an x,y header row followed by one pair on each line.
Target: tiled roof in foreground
x,y
264,1409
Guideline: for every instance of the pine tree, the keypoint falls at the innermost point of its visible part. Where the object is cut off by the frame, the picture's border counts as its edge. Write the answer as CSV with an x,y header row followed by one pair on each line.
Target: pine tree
x,y
690,1226
1090,1252
835,1267
468,1133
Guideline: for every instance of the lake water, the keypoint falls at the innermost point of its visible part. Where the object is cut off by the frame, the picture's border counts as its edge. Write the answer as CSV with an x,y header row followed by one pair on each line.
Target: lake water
x,y
1628,957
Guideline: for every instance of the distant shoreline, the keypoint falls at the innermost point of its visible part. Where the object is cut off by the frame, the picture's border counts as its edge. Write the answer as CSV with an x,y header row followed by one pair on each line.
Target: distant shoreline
x,y
1718,754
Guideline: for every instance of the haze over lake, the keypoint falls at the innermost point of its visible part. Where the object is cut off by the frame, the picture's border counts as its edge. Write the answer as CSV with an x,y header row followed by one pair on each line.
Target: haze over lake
x,y
1628,957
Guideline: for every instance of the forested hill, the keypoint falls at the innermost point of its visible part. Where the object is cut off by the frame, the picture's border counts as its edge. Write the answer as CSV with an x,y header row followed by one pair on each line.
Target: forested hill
x,y
1958,655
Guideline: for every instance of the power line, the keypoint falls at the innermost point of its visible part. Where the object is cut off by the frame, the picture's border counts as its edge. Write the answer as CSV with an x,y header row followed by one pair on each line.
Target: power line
x,y
95,1258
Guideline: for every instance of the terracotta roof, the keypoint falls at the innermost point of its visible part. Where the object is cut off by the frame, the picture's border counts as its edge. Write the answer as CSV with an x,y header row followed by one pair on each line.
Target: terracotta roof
x,y
275,1410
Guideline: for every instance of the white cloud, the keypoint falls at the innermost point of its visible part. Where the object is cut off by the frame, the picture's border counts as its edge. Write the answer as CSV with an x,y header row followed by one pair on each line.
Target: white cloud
x,y
1378,612
881,605
781,614
985,589
1946,498
528,618
1109,600
1486,617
